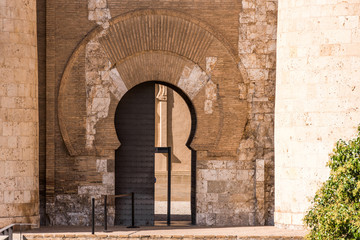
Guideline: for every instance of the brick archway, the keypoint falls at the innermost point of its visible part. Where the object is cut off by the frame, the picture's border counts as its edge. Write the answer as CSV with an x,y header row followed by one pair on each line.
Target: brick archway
x,y
152,45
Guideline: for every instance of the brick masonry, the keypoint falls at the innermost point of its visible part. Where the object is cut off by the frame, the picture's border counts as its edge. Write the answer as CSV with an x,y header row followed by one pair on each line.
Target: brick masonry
x,y
222,55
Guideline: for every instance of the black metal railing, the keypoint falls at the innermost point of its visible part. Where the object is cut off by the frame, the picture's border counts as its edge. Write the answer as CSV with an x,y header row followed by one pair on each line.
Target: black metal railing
x,y
9,230
105,210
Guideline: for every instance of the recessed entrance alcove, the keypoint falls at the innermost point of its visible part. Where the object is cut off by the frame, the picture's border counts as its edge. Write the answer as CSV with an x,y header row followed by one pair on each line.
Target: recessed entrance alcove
x,y
150,115
198,64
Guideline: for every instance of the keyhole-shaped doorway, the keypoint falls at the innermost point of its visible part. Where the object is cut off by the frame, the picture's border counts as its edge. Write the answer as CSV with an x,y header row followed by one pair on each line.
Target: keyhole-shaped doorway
x,y
147,116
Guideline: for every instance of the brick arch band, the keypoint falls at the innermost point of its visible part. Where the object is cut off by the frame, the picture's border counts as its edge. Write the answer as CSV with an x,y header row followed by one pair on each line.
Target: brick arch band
x,y
152,45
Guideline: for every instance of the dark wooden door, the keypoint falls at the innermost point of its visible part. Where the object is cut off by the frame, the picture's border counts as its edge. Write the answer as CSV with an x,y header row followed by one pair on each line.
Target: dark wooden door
x,y
134,159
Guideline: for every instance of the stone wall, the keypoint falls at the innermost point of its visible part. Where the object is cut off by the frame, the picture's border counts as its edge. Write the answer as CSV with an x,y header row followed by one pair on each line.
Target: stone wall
x,y
19,150
257,51
317,97
221,54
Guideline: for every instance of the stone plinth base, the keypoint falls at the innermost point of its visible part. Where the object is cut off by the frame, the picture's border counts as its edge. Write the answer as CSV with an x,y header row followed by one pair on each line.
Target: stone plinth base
x,y
11,220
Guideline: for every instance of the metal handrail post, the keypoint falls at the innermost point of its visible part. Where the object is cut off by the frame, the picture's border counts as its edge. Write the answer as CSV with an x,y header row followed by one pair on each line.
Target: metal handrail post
x,y
132,210
169,188
105,213
93,215
11,233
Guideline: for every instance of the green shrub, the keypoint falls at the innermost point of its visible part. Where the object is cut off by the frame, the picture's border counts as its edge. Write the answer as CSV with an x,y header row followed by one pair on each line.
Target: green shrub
x,y
335,210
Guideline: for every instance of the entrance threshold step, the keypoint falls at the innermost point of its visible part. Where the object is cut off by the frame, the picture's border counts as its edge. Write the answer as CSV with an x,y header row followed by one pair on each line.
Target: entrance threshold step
x,y
165,233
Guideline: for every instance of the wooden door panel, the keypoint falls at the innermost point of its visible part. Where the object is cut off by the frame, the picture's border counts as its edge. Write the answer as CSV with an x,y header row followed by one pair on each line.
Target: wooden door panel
x,y
134,160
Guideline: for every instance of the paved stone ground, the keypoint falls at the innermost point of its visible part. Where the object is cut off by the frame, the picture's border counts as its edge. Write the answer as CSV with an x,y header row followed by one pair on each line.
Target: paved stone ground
x,y
164,232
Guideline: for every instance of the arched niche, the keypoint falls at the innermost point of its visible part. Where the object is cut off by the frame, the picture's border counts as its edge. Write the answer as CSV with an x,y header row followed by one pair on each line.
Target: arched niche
x,y
152,45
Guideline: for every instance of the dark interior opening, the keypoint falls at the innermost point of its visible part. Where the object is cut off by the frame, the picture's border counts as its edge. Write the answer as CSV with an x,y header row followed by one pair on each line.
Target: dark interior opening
x,y
137,108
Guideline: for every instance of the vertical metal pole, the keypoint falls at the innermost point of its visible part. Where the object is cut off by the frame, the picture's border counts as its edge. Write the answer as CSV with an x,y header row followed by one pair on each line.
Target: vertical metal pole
x,y
169,188
132,210
11,233
105,212
193,187
93,215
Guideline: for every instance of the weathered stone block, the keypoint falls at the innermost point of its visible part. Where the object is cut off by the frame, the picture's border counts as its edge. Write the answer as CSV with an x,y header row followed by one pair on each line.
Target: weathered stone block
x,y
216,186
101,165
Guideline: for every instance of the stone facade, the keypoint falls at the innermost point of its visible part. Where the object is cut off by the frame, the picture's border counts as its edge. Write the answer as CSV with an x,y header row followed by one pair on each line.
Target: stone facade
x,y
19,178
232,92
317,97
219,54
222,56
